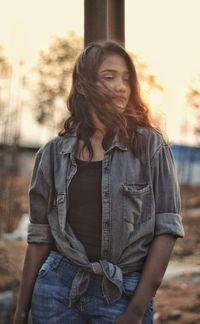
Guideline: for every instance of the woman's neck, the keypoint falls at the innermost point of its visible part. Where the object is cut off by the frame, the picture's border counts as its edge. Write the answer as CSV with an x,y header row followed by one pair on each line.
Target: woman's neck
x,y
97,137
96,141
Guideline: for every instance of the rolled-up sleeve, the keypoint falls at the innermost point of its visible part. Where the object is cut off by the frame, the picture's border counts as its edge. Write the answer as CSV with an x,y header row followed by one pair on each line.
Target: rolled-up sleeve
x,y
166,193
39,204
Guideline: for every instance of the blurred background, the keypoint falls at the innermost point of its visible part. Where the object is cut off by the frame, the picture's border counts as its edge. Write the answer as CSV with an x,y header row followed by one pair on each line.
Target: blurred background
x,y
39,41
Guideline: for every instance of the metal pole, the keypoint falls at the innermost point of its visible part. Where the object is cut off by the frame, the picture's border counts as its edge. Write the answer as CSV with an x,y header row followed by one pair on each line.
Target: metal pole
x,y
104,20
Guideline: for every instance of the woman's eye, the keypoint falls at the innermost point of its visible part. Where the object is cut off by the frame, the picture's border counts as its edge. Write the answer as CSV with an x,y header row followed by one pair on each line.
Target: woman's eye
x,y
108,77
127,79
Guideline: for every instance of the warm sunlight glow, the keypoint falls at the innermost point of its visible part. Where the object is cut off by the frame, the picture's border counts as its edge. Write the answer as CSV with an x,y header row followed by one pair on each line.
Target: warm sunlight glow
x,y
163,33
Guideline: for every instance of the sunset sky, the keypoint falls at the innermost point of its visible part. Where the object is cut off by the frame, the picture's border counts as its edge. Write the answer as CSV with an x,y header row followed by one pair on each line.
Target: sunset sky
x,y
164,33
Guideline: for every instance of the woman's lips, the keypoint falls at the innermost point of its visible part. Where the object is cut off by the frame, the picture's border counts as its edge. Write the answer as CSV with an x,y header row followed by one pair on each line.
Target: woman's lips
x,y
119,100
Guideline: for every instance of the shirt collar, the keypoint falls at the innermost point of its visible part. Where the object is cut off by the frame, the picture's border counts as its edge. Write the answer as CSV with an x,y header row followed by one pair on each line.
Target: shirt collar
x,y
118,142
70,140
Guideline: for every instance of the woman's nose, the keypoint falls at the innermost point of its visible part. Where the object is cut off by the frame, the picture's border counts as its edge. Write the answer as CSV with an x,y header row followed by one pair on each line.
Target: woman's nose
x,y
120,85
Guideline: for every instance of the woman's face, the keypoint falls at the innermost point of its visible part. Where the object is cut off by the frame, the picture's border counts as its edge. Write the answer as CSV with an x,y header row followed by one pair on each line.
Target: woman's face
x,y
114,75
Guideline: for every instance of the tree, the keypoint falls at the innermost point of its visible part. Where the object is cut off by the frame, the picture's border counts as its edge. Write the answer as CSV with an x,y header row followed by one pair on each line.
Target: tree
x,y
5,72
193,100
53,73
5,67
147,79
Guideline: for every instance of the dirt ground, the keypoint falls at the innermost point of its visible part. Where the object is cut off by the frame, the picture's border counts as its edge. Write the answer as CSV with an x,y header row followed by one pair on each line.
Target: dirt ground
x,y
178,298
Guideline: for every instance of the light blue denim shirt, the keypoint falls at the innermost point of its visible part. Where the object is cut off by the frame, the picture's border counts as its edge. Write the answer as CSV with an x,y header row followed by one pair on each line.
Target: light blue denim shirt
x,y
140,200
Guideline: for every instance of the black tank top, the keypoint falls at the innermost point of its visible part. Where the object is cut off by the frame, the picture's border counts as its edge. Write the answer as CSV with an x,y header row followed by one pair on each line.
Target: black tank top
x,y
85,207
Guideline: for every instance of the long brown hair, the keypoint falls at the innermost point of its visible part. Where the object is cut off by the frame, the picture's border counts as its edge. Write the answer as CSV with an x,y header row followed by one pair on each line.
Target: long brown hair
x,y
85,99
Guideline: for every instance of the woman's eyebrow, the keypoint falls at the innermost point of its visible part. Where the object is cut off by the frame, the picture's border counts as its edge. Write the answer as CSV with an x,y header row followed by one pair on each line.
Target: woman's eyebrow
x,y
112,70
108,70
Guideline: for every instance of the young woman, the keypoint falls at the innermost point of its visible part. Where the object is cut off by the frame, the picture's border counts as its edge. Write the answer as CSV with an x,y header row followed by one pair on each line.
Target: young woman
x,y
104,204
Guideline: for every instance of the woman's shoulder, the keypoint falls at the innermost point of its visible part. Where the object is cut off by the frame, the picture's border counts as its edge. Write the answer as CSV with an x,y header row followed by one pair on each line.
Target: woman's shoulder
x,y
151,134
58,144
152,139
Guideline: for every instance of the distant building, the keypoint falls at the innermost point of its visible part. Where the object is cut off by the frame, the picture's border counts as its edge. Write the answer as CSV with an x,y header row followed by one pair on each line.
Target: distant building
x,y
187,159
17,160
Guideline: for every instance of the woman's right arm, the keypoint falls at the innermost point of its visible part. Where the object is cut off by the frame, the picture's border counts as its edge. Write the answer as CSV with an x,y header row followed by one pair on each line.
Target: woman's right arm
x,y
36,253
39,236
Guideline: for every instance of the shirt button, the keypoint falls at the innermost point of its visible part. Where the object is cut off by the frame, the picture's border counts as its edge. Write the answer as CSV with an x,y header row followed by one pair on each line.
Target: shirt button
x,y
107,223
106,194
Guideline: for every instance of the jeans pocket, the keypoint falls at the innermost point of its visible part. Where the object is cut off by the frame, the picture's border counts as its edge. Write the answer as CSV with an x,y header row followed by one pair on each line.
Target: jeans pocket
x,y
44,269
130,283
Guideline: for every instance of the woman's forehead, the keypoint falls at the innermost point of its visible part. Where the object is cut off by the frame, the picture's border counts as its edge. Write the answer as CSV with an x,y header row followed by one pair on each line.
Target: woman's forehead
x,y
113,62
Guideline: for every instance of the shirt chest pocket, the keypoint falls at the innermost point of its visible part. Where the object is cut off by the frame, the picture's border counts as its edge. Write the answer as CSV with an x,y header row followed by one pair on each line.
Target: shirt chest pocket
x,y
137,203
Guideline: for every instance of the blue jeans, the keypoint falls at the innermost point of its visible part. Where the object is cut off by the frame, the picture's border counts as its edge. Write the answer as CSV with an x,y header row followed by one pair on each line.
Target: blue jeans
x,y
51,292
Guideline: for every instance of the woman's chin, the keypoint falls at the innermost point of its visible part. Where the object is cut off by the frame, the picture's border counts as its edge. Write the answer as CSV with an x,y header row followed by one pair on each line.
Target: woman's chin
x,y
120,108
